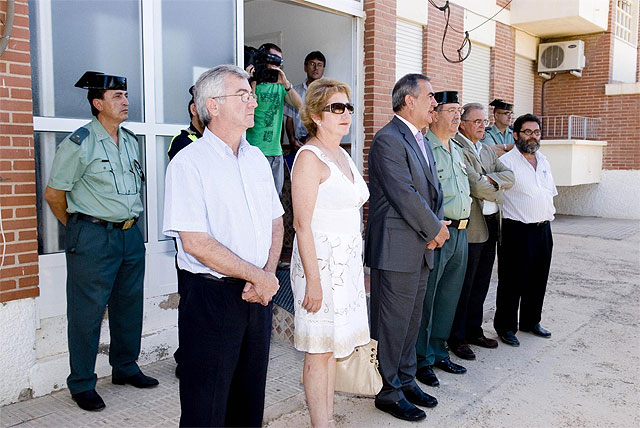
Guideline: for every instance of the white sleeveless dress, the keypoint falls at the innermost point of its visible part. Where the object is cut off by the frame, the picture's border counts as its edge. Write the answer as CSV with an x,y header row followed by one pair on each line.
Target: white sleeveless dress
x,y
341,324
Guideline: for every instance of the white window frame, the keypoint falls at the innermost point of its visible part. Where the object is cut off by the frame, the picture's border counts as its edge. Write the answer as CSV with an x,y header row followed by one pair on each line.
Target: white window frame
x,y
160,275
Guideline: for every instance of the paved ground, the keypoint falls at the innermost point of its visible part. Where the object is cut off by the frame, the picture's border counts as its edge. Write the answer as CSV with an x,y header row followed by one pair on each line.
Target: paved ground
x,y
586,375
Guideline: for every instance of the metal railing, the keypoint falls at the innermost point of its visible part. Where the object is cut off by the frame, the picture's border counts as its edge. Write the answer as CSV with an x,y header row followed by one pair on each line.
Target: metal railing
x,y
570,127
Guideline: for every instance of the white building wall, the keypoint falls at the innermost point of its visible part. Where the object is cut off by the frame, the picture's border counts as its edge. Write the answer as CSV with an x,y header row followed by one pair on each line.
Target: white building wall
x,y
17,353
616,196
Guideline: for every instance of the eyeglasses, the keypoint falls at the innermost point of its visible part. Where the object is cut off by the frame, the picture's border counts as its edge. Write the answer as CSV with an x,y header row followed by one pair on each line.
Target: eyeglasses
x,y
530,132
339,108
477,122
245,97
506,113
453,110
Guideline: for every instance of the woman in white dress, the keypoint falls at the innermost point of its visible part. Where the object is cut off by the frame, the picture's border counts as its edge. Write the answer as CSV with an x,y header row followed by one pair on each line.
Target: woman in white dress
x,y
326,270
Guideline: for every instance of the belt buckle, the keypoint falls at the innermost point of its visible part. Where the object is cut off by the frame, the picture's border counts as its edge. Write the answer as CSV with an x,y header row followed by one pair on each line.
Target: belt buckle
x,y
127,224
463,224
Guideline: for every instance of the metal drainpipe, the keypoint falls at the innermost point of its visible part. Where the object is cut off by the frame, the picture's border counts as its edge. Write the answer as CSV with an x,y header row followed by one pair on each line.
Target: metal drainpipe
x,y
542,94
8,26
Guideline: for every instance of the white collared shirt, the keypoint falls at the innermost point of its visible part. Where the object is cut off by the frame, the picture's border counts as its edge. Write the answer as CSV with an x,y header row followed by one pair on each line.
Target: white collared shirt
x,y
233,199
530,200
488,207
414,130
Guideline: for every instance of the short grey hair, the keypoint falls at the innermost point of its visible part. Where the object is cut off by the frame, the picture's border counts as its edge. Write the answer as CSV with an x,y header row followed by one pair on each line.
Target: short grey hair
x,y
407,85
468,108
212,84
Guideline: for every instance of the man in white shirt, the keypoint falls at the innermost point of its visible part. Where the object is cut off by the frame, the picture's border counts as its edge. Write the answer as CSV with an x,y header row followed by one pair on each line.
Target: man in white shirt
x,y
524,255
222,207
488,178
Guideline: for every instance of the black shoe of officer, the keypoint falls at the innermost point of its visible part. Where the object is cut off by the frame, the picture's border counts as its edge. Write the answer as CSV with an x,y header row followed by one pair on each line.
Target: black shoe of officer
x,y
89,400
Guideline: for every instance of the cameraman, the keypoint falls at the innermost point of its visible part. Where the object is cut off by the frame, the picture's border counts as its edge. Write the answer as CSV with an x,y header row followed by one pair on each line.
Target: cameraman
x,y
267,128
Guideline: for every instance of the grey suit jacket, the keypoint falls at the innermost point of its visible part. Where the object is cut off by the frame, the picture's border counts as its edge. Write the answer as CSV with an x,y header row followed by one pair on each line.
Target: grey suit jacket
x,y
405,207
487,164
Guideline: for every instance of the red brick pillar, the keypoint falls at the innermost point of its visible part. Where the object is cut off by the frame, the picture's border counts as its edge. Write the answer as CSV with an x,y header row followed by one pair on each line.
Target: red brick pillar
x,y
19,270
444,75
379,69
503,59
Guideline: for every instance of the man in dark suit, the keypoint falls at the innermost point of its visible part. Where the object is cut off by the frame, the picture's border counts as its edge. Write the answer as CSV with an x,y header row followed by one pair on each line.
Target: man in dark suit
x,y
404,226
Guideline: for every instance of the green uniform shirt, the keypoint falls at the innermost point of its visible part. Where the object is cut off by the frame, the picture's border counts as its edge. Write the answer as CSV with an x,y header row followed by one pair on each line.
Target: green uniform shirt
x,y
452,173
493,136
267,127
100,178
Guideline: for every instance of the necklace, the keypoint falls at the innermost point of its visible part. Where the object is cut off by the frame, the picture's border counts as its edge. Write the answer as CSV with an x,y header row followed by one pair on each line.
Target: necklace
x,y
339,159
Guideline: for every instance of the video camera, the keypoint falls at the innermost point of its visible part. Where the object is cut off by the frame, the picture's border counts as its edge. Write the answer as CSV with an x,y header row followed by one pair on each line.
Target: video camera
x,y
260,59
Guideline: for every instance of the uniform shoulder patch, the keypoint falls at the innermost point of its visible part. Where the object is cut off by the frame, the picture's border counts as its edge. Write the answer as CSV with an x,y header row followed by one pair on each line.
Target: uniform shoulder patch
x,y
130,132
79,135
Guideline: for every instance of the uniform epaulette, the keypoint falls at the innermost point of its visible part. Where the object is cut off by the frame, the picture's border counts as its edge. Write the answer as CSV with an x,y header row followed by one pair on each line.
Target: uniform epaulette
x,y
458,143
79,135
130,132
487,129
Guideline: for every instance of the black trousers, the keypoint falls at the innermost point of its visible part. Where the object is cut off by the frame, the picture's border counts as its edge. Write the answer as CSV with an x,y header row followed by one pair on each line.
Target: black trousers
x,y
467,323
524,259
224,351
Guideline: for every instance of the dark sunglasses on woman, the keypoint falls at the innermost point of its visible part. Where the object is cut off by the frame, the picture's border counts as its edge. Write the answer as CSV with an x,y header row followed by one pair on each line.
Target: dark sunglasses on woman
x,y
338,108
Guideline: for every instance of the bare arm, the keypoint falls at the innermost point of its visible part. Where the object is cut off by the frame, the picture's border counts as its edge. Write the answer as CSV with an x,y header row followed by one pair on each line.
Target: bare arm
x,y
293,97
57,200
219,258
249,292
307,176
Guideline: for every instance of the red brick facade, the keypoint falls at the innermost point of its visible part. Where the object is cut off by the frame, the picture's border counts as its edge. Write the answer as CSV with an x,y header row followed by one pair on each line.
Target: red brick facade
x,y
379,69
503,57
585,96
19,271
444,75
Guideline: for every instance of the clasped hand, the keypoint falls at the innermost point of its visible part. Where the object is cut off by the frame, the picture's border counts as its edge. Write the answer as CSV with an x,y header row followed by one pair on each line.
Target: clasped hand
x,y
261,290
441,237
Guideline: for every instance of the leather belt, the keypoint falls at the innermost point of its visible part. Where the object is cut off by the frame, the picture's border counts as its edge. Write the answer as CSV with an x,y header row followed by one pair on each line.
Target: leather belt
x,y
539,223
124,225
224,280
458,224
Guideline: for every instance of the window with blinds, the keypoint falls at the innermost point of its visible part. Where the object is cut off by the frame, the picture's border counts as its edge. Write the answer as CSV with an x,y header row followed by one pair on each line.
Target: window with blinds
x,y
475,76
523,88
408,48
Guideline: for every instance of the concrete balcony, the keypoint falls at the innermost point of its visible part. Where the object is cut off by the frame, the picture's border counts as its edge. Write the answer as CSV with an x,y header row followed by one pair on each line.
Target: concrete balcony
x,y
560,18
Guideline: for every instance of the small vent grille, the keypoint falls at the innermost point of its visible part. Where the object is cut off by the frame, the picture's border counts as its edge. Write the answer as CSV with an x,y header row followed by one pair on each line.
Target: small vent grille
x,y
552,56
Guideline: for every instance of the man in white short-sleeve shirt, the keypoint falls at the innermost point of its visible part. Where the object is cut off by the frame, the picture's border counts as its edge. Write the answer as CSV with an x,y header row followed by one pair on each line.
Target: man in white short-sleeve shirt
x,y
222,207
524,255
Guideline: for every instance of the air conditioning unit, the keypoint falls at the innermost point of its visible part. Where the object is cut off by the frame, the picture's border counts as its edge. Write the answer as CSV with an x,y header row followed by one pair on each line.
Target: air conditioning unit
x,y
561,56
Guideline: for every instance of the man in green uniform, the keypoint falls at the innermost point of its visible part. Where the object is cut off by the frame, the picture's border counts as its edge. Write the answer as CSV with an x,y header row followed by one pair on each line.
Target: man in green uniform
x,y
189,135
266,133
450,263
500,135
94,191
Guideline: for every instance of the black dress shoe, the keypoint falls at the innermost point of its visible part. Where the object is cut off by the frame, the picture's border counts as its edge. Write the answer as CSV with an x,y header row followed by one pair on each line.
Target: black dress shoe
x,y
463,351
420,398
427,376
139,380
509,338
402,410
538,331
484,342
89,400
450,367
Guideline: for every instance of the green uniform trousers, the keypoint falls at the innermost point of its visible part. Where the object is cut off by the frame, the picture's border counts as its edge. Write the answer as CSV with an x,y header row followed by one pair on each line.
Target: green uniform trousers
x,y
440,302
105,266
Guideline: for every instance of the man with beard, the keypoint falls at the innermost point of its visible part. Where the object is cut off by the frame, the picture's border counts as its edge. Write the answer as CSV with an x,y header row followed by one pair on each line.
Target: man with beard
x,y
524,255
450,261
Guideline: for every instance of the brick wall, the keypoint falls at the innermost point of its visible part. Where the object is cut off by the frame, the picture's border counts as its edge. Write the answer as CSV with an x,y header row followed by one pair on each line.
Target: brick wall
x,y
19,271
503,57
585,96
379,70
444,75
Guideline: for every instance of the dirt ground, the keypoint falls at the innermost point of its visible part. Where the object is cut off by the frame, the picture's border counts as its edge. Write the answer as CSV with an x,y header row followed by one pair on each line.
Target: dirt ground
x,y
586,375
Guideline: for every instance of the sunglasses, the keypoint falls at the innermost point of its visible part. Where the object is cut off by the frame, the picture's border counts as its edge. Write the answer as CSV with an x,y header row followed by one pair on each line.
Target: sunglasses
x,y
339,108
